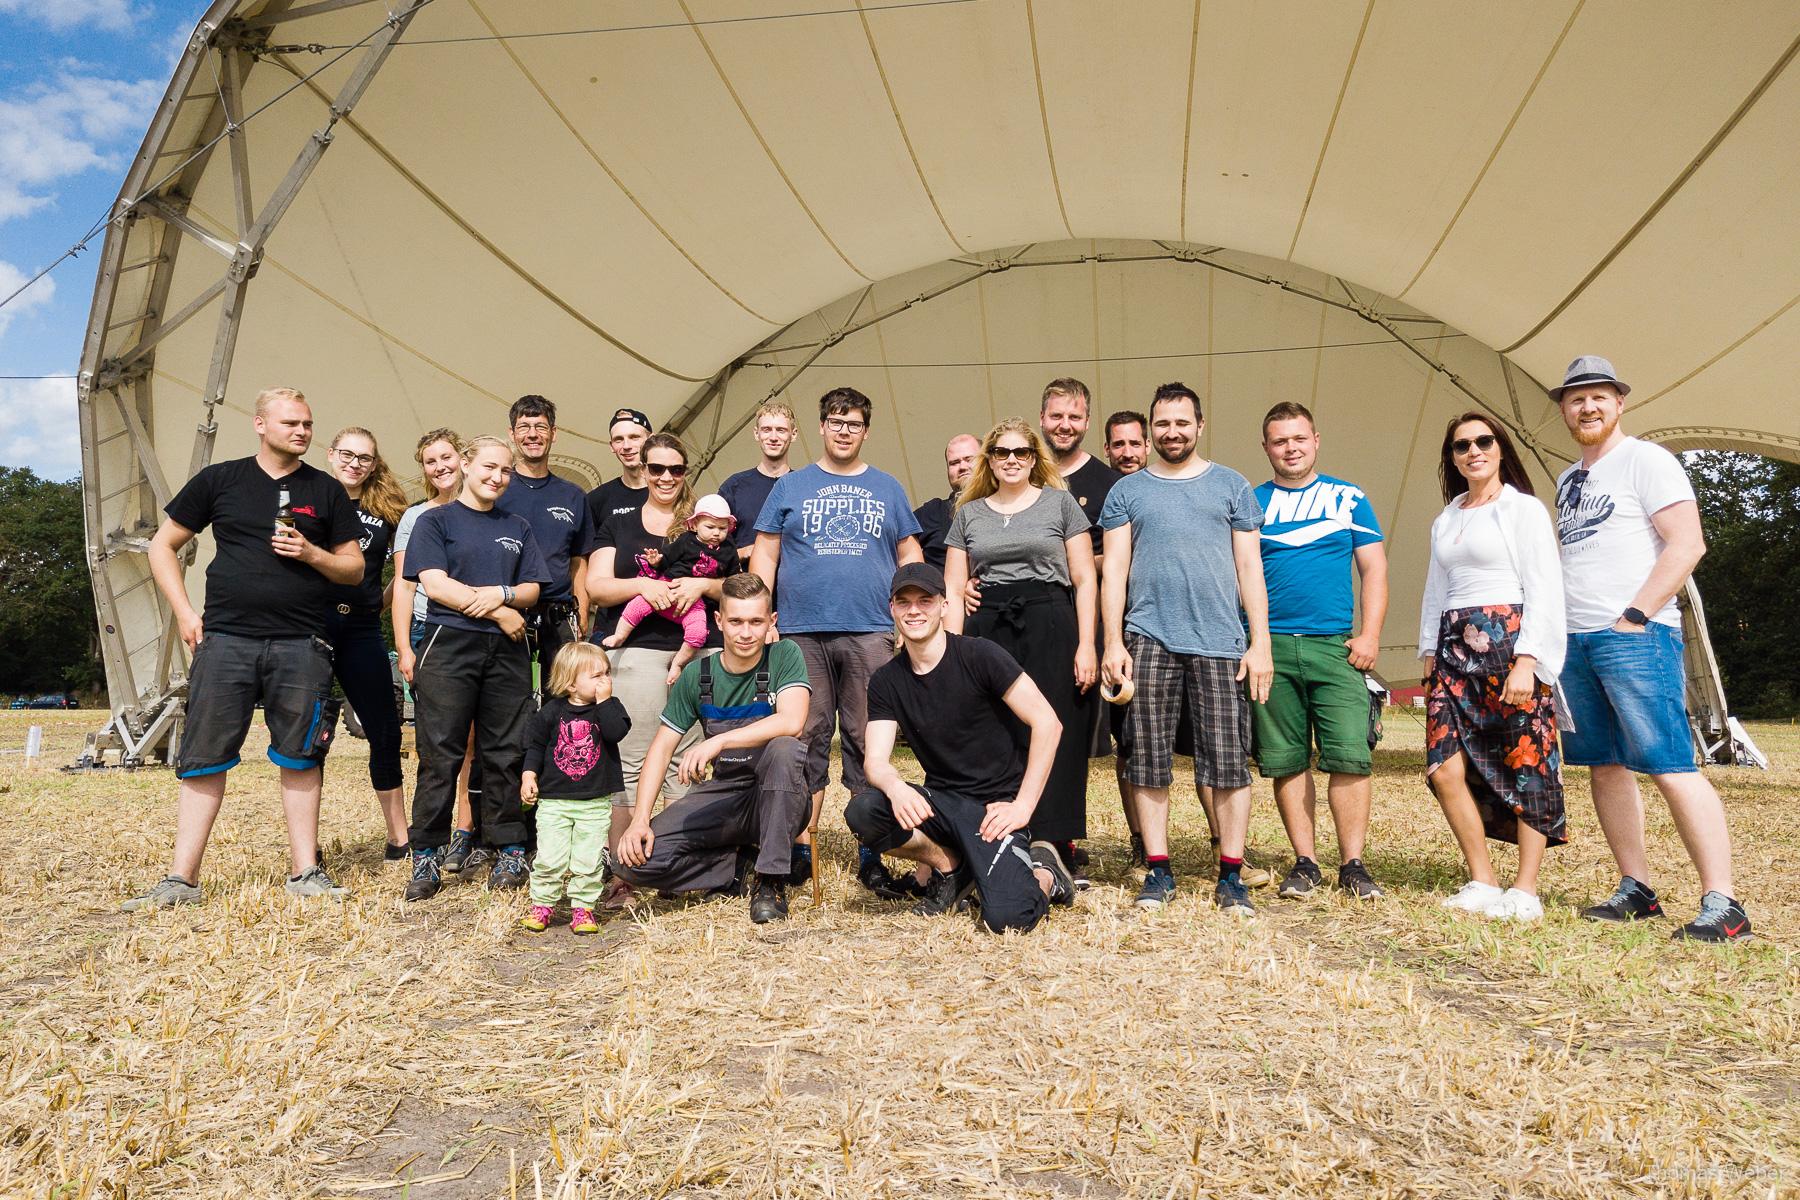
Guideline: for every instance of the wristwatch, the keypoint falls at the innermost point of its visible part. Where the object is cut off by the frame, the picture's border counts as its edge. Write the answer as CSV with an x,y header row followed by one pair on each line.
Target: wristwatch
x,y
1635,616
506,593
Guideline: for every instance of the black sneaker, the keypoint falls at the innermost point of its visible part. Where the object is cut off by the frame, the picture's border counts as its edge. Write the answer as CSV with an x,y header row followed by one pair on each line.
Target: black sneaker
x,y
393,853
1630,901
946,893
1158,889
1233,897
456,855
1137,849
769,901
1354,878
1721,919
510,872
802,865
1062,885
1079,862
426,876
873,874
1301,879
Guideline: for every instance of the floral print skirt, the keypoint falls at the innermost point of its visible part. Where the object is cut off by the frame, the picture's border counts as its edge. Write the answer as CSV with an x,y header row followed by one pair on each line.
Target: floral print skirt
x,y
1516,771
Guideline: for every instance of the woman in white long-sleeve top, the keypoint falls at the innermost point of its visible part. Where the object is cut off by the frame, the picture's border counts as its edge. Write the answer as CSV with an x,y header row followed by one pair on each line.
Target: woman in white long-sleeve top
x,y
1491,633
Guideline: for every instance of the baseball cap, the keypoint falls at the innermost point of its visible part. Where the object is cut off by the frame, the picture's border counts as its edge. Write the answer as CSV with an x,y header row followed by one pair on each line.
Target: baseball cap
x,y
1589,368
713,505
629,414
917,575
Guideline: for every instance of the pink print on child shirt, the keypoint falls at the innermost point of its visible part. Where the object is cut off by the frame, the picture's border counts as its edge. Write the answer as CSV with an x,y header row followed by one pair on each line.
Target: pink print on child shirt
x,y
577,751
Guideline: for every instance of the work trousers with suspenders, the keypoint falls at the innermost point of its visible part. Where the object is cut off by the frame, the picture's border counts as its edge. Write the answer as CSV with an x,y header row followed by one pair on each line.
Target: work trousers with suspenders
x,y
755,801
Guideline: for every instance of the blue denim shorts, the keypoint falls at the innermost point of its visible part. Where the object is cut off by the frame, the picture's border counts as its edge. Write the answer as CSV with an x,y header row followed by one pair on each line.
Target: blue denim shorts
x,y
1627,695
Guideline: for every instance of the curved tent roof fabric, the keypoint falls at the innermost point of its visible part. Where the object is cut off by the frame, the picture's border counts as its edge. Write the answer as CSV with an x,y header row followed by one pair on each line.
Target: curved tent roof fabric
x,y
609,217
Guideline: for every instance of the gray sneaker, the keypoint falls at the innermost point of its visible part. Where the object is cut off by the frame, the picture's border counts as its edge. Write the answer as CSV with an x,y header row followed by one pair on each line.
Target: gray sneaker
x,y
315,882
168,891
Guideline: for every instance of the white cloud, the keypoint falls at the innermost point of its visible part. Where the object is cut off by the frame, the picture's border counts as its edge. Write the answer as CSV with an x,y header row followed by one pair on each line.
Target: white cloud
x,y
114,15
35,296
63,126
38,428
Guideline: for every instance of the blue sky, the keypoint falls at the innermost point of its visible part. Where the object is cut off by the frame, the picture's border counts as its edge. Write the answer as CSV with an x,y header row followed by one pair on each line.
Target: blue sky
x,y
78,82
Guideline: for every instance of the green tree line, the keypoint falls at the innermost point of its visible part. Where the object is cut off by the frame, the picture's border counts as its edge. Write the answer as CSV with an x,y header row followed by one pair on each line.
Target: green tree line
x,y
48,638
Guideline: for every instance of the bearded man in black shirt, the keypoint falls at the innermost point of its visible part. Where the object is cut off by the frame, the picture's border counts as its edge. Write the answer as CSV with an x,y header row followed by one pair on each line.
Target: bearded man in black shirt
x,y
955,698
260,640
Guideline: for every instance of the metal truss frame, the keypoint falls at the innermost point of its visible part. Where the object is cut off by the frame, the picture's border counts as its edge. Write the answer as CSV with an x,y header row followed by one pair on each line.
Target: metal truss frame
x,y
147,711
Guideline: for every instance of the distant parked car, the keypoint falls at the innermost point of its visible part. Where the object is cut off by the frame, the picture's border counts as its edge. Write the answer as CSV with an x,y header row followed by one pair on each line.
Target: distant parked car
x,y
52,700
20,702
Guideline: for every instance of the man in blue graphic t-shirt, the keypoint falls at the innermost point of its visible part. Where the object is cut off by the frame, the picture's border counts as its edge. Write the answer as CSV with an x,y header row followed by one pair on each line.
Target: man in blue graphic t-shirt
x,y
1314,528
836,530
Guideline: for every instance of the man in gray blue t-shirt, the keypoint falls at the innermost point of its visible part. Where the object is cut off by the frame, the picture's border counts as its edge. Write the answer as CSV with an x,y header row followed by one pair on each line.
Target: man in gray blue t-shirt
x,y
1181,541
836,530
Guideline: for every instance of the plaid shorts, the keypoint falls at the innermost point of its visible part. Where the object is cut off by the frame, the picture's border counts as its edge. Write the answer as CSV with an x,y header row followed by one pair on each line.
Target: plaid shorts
x,y
1214,696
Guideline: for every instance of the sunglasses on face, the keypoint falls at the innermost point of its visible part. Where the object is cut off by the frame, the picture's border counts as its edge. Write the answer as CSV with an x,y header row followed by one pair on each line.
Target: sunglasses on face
x,y
1002,453
1484,442
364,461
658,470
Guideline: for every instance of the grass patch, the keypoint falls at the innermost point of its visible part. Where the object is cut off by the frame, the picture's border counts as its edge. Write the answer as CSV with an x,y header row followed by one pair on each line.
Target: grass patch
x,y
256,1046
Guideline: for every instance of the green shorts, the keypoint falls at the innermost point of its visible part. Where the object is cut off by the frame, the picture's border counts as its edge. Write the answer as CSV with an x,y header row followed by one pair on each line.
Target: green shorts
x,y
1316,694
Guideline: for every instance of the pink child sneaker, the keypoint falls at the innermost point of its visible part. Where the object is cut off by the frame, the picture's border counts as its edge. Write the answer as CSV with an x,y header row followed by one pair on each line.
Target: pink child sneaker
x,y
581,920
537,919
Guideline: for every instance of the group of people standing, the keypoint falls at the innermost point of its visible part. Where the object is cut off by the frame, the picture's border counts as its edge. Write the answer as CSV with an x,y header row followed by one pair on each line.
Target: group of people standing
x,y
702,653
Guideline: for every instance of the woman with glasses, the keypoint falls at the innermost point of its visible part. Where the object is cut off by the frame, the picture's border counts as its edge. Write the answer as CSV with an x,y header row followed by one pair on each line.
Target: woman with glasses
x,y
1025,539
353,623
1491,633
627,550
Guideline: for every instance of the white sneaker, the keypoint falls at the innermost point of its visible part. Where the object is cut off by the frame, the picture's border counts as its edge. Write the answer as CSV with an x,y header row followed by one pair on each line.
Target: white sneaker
x,y
1474,896
1514,905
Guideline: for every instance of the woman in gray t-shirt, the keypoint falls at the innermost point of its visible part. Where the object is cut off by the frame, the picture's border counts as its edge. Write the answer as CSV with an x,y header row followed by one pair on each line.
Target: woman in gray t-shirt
x,y
1023,537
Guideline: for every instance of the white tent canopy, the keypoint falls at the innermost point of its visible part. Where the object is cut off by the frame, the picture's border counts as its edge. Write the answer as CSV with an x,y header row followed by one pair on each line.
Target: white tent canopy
x,y
417,215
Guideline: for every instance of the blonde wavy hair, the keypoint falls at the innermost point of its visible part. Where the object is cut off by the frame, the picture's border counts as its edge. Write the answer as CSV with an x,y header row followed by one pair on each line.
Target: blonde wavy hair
x,y
570,661
982,483
429,438
382,495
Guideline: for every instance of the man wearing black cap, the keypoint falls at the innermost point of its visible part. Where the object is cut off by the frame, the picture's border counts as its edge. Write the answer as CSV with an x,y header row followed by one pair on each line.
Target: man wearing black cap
x,y
625,494
954,698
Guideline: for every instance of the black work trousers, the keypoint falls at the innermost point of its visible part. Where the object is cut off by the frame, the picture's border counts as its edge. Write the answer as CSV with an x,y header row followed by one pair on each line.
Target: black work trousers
x,y
470,679
360,660
1009,891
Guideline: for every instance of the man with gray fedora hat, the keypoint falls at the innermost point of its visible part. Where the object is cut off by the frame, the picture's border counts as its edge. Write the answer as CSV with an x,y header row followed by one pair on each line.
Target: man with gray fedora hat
x,y
1630,536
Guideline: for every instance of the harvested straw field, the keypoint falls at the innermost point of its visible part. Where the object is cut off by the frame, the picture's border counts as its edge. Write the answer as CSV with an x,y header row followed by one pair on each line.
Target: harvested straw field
x,y
258,1047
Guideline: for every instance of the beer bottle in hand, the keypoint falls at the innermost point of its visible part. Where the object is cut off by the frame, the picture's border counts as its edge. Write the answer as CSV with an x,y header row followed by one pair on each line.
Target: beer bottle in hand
x,y
284,512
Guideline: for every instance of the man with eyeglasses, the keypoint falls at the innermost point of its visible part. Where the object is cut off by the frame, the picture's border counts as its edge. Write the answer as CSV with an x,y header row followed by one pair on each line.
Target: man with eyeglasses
x,y
558,514
627,431
835,530
1629,529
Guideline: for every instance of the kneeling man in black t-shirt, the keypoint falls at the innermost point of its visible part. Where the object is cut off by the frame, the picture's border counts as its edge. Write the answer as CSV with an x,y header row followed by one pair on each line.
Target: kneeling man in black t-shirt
x,y
955,698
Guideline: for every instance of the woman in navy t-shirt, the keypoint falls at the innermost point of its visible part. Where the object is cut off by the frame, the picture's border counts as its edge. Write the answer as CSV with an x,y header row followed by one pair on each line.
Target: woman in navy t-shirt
x,y
478,567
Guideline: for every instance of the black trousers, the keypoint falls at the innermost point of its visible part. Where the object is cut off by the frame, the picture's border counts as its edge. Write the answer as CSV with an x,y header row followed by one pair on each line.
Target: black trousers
x,y
1010,895
360,661
698,836
1035,623
479,679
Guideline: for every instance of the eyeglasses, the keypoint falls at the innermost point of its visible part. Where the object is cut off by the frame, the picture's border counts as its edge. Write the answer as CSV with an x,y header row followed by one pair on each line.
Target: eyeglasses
x,y
1002,453
525,427
839,425
1484,442
658,470
364,461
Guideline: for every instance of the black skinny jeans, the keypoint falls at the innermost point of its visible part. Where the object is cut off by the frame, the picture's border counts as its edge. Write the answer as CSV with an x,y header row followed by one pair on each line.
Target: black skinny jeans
x,y
467,678
360,662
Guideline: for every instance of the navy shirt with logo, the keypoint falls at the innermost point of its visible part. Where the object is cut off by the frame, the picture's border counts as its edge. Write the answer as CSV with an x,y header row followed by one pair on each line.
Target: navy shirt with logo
x,y
251,591
558,512
477,549
376,537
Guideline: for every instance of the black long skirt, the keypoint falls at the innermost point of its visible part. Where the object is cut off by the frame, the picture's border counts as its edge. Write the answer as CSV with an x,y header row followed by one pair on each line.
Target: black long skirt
x,y
1035,623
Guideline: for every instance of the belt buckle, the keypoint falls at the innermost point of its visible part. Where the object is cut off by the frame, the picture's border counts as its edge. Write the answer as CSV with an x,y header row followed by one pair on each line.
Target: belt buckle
x,y
343,610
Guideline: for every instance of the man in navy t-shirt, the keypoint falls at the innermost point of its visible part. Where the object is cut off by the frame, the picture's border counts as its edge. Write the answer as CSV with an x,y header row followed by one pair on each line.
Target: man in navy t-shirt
x,y
836,530
749,489
260,640
558,512
1314,528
